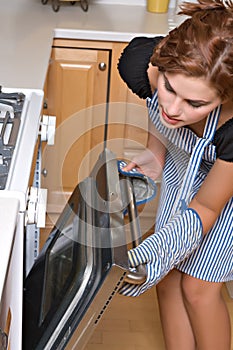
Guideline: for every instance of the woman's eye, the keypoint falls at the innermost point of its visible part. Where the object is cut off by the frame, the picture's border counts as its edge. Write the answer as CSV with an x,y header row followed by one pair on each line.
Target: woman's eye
x,y
195,104
168,87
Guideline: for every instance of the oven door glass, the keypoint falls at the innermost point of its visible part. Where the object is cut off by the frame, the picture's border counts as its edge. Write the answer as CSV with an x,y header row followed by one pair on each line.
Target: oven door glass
x,y
81,266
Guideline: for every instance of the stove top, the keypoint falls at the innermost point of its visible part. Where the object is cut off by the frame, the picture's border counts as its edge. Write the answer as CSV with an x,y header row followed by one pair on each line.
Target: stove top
x,y
11,107
20,114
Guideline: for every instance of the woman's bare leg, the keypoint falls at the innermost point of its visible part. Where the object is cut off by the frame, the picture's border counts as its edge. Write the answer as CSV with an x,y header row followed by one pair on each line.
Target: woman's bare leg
x,y
208,313
174,318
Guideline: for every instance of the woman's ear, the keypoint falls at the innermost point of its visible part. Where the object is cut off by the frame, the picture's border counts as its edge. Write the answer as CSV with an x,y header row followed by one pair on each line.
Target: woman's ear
x,y
152,73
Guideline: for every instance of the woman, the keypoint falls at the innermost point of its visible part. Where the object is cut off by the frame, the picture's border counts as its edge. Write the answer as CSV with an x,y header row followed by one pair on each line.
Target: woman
x,y
189,89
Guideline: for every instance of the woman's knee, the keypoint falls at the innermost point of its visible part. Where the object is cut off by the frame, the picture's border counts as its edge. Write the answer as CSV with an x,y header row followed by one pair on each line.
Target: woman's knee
x,y
198,292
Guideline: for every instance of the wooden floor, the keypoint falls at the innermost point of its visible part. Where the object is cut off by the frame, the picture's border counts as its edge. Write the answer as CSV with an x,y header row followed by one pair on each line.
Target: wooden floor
x,y
133,324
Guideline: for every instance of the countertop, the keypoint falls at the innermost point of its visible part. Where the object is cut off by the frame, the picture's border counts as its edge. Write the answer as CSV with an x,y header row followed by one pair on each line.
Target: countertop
x,y
28,28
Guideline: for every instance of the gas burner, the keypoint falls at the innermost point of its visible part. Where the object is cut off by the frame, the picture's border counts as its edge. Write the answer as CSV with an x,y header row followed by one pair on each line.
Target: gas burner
x,y
11,106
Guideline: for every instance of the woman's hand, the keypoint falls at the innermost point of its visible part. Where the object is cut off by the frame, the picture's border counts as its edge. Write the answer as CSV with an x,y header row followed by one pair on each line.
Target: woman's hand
x,y
146,163
162,251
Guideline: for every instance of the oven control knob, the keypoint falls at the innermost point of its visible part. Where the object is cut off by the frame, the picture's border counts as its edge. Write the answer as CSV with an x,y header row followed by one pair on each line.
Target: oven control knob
x,y
48,128
36,206
44,172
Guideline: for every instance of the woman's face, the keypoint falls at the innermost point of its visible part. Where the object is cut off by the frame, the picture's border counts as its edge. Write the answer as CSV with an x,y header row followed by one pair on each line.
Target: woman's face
x,y
184,100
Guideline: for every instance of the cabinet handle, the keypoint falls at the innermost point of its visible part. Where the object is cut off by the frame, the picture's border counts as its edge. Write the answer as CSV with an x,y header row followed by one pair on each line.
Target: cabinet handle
x,y
44,172
45,106
102,66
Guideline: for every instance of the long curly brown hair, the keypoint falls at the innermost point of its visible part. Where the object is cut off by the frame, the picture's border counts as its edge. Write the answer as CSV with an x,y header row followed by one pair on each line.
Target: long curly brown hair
x,y
202,46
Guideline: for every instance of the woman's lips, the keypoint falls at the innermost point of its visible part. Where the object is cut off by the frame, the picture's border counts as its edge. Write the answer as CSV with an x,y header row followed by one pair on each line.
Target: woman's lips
x,y
168,119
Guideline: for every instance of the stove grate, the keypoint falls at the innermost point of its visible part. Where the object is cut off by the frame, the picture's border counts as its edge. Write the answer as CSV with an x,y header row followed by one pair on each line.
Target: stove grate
x,y
11,106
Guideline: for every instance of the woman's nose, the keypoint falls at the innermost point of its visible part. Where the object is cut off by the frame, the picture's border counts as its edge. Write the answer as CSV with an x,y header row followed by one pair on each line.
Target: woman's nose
x,y
174,108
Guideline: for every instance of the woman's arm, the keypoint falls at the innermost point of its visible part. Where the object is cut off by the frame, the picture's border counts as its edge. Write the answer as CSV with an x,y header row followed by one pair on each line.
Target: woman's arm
x,y
214,193
150,162
177,239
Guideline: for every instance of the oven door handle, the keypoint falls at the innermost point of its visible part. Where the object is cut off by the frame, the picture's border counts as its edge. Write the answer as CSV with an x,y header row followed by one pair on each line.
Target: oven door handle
x,y
139,274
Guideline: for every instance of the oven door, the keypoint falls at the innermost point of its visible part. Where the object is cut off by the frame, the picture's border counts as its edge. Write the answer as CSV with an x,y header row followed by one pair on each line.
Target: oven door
x,y
81,266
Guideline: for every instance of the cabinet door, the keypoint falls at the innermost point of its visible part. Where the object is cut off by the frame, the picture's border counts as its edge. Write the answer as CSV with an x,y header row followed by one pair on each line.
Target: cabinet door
x,y
77,91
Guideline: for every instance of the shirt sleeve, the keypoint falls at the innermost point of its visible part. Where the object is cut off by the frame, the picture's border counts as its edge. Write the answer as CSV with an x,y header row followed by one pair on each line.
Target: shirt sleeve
x,y
223,141
134,62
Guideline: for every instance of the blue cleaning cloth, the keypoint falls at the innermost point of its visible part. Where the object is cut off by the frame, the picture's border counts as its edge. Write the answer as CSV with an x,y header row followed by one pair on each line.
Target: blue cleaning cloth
x,y
144,187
